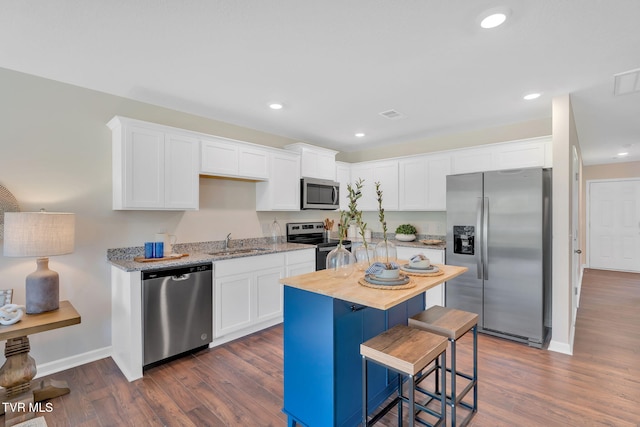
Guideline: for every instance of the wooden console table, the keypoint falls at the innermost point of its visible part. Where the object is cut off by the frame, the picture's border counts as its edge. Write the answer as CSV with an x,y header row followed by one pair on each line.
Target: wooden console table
x,y
20,368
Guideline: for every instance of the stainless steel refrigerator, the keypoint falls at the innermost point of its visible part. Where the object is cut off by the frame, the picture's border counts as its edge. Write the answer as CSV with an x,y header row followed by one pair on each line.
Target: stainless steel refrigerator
x,y
499,226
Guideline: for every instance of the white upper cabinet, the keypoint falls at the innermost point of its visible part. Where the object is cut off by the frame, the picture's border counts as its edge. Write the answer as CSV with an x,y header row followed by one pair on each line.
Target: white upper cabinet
x,y
316,162
155,167
422,182
235,159
437,167
535,152
282,191
181,184
523,154
412,183
386,173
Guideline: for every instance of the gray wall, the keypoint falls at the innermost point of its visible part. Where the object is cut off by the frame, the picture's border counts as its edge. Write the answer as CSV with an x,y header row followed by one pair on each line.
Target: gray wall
x,y
56,154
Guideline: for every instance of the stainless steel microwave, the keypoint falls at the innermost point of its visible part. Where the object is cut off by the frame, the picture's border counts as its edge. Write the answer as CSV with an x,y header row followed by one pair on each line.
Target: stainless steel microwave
x,y
321,194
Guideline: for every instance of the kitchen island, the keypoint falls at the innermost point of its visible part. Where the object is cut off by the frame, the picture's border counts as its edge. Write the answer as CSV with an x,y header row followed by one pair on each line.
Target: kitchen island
x,y
325,321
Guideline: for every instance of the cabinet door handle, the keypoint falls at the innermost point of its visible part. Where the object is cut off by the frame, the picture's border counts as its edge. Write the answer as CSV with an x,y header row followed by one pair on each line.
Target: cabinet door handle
x,y
357,308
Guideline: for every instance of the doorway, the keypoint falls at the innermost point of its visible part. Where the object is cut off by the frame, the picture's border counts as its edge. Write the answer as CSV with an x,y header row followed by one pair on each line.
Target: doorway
x,y
613,221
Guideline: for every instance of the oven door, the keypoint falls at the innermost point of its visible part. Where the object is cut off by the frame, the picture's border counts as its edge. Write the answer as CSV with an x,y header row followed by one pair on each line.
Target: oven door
x,y
323,251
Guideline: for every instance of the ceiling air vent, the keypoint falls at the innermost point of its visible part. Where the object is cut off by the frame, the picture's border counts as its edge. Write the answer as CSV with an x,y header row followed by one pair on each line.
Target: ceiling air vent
x,y
627,82
392,115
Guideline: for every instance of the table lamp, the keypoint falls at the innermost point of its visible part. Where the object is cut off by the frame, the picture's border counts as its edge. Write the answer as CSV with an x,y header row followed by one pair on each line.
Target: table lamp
x,y
39,234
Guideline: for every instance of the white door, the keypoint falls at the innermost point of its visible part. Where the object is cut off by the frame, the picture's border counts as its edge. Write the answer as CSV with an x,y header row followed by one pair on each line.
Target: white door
x,y
614,225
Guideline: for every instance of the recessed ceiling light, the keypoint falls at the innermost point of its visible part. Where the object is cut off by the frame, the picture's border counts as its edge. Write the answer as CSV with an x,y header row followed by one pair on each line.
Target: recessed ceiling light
x,y
531,96
624,153
275,106
493,20
360,135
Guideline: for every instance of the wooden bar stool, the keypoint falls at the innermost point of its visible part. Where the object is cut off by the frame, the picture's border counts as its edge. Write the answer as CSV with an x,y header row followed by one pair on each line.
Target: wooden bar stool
x,y
453,324
406,351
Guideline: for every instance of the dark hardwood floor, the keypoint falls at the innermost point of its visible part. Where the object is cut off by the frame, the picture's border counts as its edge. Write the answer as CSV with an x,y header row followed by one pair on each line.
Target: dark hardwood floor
x,y
240,383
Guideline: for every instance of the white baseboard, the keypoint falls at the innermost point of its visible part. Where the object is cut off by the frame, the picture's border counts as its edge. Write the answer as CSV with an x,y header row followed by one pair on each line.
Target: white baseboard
x,y
244,332
559,347
49,368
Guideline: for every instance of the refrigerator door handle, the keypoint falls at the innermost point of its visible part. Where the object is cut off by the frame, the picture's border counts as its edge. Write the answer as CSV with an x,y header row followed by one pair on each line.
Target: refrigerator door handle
x,y
479,238
485,238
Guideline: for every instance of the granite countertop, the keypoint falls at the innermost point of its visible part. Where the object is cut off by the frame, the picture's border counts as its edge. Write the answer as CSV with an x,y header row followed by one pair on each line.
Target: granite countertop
x,y
414,244
123,258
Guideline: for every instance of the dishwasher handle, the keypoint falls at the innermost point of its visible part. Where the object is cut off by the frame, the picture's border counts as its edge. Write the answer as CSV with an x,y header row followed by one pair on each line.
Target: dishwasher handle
x,y
180,277
176,273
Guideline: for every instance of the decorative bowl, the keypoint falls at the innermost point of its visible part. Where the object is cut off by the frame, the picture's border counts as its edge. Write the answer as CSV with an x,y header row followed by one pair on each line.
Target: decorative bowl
x,y
406,237
421,264
389,274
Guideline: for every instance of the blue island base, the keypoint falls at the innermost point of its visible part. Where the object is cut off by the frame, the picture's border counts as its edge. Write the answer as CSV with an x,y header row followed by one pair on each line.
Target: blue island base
x,y
322,362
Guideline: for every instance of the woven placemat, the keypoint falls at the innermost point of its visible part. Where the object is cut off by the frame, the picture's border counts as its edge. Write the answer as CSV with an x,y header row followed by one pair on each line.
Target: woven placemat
x,y
363,282
435,273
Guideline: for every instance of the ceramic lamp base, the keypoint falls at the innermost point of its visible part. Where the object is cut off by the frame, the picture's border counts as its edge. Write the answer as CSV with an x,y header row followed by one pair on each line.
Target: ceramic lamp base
x,y
42,290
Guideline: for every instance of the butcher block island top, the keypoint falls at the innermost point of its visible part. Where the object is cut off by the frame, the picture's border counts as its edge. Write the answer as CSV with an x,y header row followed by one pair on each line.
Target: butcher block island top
x,y
348,289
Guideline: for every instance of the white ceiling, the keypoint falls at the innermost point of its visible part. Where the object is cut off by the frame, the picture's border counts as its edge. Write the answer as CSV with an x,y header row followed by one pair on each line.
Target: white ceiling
x,y
335,64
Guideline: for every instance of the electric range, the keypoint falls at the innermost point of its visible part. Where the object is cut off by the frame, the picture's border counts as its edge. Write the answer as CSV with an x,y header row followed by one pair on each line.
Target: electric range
x,y
313,233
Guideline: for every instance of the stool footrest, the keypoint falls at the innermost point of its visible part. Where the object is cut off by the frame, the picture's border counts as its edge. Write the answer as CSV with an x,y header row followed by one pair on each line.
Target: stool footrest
x,y
459,397
383,411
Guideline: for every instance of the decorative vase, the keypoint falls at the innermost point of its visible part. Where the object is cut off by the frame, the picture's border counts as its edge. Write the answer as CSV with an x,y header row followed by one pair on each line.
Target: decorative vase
x,y
386,252
364,256
340,262
405,237
276,231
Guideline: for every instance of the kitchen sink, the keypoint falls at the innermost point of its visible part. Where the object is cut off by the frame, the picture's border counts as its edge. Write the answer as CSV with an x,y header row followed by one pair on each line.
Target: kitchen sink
x,y
237,251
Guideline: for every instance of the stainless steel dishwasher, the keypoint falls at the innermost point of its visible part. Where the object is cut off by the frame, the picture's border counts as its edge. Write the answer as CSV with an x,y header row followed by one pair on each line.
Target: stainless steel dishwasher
x,y
176,311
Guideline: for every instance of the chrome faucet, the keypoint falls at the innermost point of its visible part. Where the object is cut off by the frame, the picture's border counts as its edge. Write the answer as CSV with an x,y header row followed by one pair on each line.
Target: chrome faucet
x,y
226,241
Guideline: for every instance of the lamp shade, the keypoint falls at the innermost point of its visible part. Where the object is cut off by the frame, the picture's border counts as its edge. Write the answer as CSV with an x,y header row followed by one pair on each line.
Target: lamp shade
x,y
38,234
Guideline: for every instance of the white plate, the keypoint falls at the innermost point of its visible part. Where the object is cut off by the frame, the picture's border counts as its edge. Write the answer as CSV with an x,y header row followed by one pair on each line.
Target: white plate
x,y
431,269
402,280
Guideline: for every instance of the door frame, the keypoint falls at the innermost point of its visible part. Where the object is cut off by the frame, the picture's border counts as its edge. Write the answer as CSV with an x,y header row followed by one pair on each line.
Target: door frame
x,y
576,270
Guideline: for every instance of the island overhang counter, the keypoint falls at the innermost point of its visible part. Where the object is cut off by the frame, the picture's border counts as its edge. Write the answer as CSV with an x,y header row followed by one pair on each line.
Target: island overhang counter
x,y
325,321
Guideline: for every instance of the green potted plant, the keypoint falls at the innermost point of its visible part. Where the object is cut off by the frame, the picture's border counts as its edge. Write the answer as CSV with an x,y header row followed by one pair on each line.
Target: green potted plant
x,y
406,233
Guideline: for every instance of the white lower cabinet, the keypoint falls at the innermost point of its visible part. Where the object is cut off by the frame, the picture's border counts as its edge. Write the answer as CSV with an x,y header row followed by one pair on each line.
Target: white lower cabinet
x,y
435,295
247,292
300,262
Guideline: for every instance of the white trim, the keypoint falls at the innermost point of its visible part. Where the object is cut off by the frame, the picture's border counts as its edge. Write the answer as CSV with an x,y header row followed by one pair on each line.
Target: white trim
x,y
244,332
582,267
72,361
559,347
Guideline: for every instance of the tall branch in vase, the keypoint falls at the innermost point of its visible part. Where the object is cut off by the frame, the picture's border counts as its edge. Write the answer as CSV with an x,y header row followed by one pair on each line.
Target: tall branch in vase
x,y
382,221
355,214
343,225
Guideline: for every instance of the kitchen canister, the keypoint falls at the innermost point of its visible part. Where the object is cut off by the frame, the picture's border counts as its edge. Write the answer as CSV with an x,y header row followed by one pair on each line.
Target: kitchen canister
x,y
168,241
